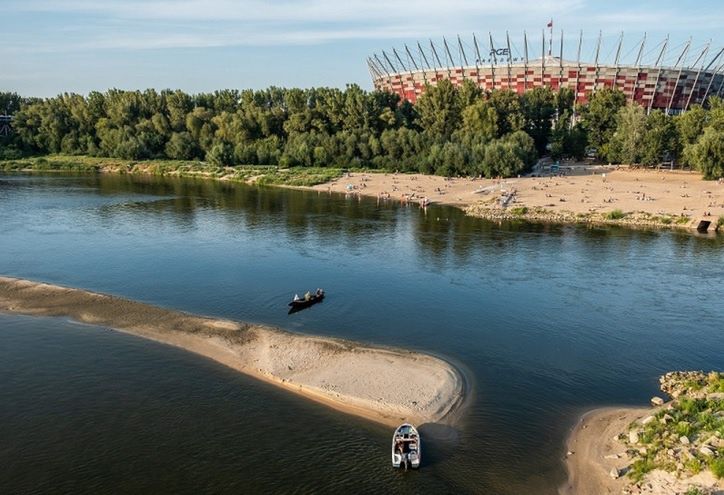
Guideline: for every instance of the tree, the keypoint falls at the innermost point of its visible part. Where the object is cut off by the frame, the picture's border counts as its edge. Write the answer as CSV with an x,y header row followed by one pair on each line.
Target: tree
x,y
539,108
439,110
707,155
599,117
660,138
626,143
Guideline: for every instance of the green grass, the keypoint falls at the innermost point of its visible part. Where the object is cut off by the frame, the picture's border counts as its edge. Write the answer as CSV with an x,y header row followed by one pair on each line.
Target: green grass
x,y
682,220
696,418
615,215
271,175
717,465
640,467
519,210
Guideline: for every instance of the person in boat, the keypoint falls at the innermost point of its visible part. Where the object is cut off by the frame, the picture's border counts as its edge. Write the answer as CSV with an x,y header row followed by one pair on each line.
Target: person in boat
x,y
307,296
319,292
296,298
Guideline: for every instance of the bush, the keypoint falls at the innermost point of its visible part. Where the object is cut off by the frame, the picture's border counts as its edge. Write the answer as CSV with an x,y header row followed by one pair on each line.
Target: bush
x,y
519,210
717,466
615,215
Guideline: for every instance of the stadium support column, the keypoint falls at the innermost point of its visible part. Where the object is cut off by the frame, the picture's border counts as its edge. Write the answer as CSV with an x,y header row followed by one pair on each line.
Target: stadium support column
x,y
424,57
389,77
560,65
678,77
510,55
448,58
713,75
543,59
408,70
702,57
478,60
396,71
578,72
637,64
658,74
598,71
721,84
618,56
462,53
525,62
437,58
493,58
412,59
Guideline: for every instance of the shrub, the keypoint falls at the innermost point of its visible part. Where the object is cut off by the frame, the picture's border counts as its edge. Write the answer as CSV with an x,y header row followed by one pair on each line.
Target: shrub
x,y
717,466
519,210
615,215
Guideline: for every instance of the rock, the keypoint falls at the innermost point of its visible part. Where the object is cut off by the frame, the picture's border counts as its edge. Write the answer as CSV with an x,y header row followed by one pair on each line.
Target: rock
x,y
666,418
657,401
715,441
615,473
706,451
570,452
633,437
611,456
647,420
684,440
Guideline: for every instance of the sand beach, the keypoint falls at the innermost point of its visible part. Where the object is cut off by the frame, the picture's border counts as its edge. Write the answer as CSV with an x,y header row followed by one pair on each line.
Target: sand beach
x,y
381,384
579,193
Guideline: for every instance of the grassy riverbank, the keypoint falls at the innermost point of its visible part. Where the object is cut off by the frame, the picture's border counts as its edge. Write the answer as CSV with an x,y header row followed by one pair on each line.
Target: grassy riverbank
x,y
253,174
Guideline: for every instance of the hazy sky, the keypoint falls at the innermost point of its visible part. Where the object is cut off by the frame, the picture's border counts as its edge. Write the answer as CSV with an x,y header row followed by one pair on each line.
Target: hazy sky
x,y
52,46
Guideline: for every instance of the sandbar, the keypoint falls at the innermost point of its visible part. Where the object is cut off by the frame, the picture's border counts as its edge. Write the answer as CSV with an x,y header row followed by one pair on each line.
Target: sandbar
x,y
382,384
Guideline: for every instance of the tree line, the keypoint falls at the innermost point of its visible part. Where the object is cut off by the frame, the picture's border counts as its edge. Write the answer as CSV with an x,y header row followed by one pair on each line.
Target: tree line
x,y
449,131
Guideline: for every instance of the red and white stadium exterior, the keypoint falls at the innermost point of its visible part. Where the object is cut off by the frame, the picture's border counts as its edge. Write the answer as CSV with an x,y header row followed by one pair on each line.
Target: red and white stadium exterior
x,y
672,88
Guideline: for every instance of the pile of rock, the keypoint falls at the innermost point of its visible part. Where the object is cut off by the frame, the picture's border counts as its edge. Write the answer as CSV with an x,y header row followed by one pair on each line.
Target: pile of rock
x,y
693,384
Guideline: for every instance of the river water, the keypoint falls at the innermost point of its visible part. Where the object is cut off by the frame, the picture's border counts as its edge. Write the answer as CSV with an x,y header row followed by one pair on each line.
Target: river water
x,y
548,321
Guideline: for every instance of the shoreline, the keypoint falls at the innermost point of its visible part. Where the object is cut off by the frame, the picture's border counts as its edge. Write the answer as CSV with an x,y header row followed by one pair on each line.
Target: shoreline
x,y
588,195
381,384
585,195
597,448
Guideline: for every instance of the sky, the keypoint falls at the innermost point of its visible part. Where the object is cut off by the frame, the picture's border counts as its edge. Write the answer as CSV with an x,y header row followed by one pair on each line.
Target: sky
x,y
52,46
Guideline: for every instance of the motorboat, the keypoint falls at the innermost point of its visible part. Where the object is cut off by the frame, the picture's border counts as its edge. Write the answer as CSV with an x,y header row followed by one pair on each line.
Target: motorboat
x,y
406,447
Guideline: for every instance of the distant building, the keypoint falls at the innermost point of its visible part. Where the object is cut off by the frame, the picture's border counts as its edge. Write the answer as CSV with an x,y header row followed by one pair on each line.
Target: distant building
x,y
656,77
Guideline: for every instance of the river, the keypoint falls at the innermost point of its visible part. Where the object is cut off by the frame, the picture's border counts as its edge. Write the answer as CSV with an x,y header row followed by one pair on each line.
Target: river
x,y
546,320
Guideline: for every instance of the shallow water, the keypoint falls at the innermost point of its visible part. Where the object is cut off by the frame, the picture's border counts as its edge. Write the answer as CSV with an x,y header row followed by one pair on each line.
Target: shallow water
x,y
547,321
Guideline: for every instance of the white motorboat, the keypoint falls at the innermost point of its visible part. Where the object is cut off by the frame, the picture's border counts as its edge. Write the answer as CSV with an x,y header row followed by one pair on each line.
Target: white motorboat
x,y
406,447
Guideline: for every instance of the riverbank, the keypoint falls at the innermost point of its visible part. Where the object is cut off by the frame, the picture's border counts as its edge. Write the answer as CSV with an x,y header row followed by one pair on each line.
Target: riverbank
x,y
384,385
252,174
672,448
597,195
587,194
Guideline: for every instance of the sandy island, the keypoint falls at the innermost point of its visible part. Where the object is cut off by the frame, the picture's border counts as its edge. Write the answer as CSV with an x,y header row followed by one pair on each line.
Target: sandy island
x,y
382,384
585,193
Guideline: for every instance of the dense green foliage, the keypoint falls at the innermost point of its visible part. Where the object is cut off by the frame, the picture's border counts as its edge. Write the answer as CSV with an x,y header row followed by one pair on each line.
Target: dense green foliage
x,y
449,131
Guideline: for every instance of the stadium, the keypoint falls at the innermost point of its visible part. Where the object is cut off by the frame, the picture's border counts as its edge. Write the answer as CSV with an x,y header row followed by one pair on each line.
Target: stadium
x,y
654,75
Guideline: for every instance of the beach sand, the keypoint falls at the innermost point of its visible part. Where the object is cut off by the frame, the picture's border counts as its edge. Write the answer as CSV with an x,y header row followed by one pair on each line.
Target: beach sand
x,y
585,191
385,385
